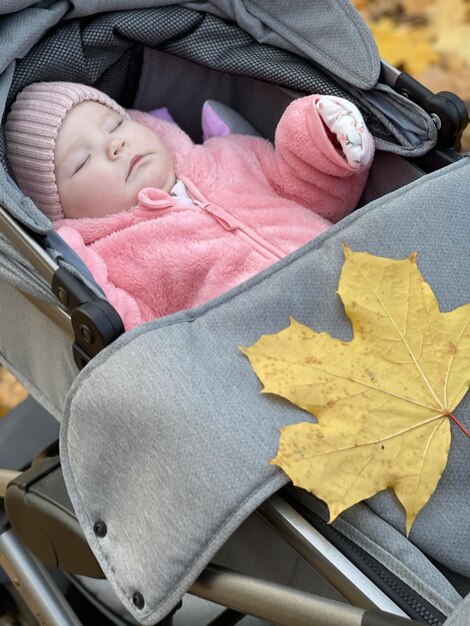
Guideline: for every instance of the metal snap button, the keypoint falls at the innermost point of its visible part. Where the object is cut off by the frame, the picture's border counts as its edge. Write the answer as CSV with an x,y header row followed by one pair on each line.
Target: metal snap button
x,y
138,600
100,529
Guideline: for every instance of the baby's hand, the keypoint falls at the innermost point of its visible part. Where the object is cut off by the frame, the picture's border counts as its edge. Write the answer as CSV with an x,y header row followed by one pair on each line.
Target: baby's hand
x,y
345,121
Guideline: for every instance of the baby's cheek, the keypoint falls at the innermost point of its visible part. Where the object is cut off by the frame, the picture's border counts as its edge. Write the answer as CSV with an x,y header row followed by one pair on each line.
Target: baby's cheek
x,y
107,195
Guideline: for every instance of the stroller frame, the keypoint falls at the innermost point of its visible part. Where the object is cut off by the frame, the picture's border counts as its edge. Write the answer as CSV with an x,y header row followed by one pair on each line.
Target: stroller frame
x,y
241,593
92,324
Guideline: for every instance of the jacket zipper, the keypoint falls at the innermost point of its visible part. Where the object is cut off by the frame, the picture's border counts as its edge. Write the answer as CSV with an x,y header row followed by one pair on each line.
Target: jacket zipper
x,y
230,223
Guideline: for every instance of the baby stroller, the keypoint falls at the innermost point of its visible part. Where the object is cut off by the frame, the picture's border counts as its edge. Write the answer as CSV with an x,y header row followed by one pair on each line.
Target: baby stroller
x,y
164,436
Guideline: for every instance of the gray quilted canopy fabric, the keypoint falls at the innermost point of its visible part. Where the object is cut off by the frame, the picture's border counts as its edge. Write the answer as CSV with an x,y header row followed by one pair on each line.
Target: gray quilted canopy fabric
x,y
320,47
329,32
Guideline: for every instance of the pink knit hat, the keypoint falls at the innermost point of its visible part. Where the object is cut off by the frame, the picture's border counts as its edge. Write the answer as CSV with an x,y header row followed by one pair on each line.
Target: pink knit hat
x,y
31,130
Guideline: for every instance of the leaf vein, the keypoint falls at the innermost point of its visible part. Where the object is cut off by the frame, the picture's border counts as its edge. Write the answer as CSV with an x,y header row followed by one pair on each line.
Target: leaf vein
x,y
410,352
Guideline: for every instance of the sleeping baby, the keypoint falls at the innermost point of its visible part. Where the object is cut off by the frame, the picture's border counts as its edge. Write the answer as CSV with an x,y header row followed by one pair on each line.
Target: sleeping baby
x,y
165,224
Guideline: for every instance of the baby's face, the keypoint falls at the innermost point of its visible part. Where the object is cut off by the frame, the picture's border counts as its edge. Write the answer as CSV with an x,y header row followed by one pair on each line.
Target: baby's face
x,y
102,160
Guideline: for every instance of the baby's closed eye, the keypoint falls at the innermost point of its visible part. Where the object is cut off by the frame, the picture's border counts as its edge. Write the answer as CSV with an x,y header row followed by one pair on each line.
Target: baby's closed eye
x,y
117,125
81,164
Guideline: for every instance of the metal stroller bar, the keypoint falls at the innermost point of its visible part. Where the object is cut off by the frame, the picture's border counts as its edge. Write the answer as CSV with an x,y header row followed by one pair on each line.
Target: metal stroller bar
x,y
269,601
35,585
282,605
30,248
57,315
327,560
5,477
41,261
389,74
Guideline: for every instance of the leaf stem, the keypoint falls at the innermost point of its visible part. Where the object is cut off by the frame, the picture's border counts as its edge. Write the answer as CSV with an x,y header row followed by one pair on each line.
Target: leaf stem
x,y
459,424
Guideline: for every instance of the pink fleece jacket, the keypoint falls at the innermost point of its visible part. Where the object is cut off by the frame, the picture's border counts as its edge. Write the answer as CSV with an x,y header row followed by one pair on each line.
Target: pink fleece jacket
x,y
252,205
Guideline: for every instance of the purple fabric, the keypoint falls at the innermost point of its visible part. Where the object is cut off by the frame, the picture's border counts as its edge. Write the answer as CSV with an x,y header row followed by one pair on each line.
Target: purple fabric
x,y
162,114
212,124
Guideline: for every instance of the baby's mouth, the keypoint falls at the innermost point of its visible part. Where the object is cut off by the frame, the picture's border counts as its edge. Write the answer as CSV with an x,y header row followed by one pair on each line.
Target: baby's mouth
x,y
134,162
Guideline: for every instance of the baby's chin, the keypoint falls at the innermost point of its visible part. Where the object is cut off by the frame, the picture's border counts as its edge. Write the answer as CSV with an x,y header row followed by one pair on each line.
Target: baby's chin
x,y
147,176
165,182
170,182
158,177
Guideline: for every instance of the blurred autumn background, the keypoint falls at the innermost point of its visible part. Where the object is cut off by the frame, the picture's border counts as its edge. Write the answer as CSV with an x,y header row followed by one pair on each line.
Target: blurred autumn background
x,y
429,39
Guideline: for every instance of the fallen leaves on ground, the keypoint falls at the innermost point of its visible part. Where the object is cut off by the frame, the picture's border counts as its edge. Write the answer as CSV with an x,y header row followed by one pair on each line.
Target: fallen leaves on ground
x,y
384,400
449,24
404,45
11,392
429,39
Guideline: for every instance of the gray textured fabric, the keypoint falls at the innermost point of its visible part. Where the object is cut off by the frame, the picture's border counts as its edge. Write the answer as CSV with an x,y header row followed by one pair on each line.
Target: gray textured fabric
x,y
461,616
415,133
15,5
330,32
104,52
174,426
5,83
18,272
390,548
42,361
21,207
19,31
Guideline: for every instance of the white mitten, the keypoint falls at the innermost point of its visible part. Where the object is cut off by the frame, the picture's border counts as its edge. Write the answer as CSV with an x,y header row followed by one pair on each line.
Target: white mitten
x,y
345,121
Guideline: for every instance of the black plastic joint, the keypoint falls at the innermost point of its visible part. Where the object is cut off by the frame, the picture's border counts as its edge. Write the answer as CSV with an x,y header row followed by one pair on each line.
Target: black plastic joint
x,y
69,290
448,110
96,325
95,322
35,473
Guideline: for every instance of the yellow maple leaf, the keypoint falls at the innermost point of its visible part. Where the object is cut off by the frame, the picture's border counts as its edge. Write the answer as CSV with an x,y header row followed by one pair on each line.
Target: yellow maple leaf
x,y
382,400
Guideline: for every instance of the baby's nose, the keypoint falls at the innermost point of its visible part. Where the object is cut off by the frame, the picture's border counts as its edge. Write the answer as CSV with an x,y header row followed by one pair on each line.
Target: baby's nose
x,y
115,147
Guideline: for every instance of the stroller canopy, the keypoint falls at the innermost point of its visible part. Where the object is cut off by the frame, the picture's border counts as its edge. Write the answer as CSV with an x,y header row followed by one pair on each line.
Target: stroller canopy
x,y
334,35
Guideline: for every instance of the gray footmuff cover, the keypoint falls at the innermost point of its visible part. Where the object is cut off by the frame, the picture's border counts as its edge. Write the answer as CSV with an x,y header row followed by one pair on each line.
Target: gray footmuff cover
x,y
167,438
